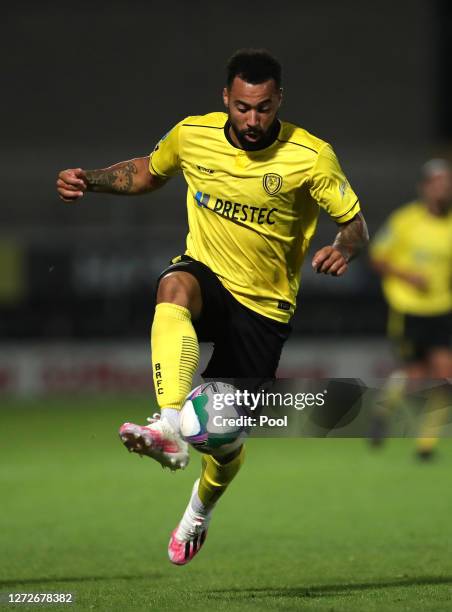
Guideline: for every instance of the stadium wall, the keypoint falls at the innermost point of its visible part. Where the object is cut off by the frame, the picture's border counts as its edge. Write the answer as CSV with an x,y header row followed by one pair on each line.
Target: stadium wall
x,y
31,370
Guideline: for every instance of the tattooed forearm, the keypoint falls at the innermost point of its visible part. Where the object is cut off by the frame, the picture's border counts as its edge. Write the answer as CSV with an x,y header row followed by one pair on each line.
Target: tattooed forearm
x,y
115,179
352,238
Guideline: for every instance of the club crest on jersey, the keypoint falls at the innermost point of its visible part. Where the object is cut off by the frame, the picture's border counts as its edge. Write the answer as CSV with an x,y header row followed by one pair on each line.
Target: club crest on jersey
x,y
272,183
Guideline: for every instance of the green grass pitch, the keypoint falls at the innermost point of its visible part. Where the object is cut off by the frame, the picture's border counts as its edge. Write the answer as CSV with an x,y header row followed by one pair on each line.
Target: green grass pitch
x,y
307,525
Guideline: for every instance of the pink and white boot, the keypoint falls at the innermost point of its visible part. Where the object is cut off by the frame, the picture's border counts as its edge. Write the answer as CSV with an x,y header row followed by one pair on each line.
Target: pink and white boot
x,y
189,536
158,440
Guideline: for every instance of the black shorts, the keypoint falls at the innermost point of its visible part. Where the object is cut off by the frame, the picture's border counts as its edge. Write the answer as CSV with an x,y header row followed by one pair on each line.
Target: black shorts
x,y
415,336
247,345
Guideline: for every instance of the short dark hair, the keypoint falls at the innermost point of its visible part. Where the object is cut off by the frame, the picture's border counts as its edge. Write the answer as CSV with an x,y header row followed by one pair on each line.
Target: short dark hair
x,y
253,66
433,167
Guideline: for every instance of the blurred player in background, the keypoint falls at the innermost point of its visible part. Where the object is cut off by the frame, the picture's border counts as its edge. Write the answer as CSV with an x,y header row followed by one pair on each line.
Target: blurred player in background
x,y
255,188
413,255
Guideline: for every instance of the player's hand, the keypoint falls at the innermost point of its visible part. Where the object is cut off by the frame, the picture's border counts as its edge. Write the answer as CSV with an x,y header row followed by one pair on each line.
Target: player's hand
x,y
416,280
329,260
71,184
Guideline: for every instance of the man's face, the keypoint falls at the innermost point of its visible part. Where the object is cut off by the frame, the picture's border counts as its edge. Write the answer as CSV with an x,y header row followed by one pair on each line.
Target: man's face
x,y
437,190
252,110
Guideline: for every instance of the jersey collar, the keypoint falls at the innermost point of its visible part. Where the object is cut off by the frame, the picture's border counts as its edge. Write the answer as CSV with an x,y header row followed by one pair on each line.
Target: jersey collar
x,y
271,138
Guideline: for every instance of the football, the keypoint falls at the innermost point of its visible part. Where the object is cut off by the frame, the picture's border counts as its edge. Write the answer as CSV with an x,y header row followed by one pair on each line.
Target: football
x,y
210,424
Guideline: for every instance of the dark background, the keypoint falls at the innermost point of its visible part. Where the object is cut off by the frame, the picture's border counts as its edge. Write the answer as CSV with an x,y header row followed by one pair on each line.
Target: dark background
x,y
90,84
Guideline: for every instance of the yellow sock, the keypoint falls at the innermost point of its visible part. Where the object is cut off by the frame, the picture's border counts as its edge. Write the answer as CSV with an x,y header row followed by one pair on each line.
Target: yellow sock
x,y
435,416
393,393
175,354
216,476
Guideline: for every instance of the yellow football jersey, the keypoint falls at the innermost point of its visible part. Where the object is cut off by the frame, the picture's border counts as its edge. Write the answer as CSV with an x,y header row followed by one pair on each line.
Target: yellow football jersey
x,y
420,243
252,214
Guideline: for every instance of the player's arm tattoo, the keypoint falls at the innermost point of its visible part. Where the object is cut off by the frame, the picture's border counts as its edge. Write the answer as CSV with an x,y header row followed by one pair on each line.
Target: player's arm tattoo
x,y
115,179
352,238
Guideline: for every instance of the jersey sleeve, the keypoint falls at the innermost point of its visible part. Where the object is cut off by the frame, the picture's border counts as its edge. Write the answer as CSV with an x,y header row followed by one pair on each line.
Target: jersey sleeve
x,y
330,188
384,241
164,161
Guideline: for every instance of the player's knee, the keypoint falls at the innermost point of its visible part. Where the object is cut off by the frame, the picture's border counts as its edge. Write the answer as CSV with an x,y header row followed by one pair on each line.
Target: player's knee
x,y
440,362
182,289
227,458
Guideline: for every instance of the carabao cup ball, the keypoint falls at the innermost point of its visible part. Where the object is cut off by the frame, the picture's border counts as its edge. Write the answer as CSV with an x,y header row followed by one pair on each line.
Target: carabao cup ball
x,y
204,427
